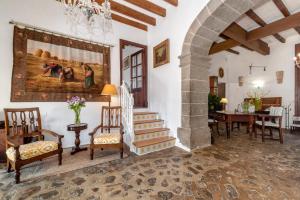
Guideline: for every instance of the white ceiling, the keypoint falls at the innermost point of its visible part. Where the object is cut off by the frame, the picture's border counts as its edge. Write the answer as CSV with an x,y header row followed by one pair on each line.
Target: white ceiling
x,y
270,13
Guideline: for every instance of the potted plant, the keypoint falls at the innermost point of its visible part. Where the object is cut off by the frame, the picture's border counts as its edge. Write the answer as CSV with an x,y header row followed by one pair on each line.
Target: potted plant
x,y
214,103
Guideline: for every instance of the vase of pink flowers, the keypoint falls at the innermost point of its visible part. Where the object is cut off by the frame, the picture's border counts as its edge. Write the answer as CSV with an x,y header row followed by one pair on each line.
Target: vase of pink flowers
x,y
76,104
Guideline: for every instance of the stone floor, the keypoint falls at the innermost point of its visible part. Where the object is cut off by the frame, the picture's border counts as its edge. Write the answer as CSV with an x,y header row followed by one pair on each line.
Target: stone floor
x,y
50,165
238,168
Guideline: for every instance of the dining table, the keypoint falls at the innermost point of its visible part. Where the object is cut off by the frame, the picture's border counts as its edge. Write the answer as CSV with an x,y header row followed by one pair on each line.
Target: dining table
x,y
230,117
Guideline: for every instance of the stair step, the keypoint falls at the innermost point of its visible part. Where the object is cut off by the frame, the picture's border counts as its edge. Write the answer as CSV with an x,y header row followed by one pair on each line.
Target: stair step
x,y
153,141
148,121
147,134
145,113
142,116
154,130
148,124
155,144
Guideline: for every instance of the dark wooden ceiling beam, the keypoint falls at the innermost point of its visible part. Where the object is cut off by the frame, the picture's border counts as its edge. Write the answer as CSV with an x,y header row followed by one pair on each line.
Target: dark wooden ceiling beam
x,y
173,2
223,46
284,10
233,51
125,10
149,6
129,22
237,33
241,45
251,14
286,23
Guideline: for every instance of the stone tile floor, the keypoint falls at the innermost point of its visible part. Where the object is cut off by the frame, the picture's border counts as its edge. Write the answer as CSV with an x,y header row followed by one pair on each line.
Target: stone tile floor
x,y
238,168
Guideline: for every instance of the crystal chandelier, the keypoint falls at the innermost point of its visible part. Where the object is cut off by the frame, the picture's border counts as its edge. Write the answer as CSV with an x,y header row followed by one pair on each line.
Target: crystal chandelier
x,y
88,14
297,60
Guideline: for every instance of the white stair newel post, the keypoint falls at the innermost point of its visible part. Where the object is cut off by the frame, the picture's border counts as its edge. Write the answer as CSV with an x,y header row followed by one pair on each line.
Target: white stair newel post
x,y
127,103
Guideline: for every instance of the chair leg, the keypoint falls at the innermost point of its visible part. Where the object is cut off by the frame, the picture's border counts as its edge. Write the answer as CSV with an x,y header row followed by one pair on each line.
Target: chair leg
x,y
217,125
92,153
60,157
8,167
263,134
121,153
17,176
281,135
255,131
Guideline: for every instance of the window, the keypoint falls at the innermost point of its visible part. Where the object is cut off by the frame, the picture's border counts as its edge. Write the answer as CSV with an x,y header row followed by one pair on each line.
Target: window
x,y
136,71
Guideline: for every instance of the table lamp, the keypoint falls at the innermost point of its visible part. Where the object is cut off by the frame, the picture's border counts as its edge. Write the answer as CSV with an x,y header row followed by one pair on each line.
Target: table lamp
x,y
109,90
224,101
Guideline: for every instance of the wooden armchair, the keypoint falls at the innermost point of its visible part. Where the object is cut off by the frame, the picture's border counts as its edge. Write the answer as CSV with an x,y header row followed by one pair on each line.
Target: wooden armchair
x,y
25,139
270,121
111,119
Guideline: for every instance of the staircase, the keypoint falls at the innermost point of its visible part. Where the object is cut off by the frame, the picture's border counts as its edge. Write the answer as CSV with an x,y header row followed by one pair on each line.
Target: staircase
x,y
150,134
144,131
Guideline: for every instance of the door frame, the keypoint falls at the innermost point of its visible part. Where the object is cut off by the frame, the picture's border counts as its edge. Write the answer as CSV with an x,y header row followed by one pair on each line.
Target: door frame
x,y
123,43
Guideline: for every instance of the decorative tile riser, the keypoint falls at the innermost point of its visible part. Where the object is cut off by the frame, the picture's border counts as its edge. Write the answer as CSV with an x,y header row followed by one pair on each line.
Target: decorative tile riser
x,y
155,147
137,118
149,125
150,135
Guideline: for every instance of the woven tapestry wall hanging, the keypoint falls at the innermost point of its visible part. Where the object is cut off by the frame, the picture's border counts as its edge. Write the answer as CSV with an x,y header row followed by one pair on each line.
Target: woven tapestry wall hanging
x,y
51,68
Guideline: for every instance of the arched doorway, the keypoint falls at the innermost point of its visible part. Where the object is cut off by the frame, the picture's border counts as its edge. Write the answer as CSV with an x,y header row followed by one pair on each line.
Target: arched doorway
x,y
194,63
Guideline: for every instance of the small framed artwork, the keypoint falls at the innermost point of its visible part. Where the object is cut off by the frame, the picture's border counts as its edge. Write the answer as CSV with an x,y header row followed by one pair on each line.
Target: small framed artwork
x,y
161,53
221,72
126,63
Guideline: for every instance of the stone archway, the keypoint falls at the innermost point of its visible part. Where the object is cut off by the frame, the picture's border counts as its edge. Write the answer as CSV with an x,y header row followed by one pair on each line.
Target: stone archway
x,y
194,63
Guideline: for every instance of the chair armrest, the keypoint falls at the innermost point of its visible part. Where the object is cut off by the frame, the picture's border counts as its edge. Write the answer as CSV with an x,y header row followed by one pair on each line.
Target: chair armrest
x,y
95,130
14,142
48,132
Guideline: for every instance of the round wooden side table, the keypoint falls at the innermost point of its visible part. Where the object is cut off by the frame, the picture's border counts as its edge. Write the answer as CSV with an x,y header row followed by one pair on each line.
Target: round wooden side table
x,y
77,128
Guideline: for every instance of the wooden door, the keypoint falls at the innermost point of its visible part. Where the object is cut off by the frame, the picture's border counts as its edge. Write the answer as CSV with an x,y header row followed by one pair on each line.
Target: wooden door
x,y
222,90
138,78
138,73
297,84
213,85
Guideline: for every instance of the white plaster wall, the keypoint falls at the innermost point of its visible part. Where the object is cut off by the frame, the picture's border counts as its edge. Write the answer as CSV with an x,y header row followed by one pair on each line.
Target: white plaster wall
x,y
49,14
281,58
165,81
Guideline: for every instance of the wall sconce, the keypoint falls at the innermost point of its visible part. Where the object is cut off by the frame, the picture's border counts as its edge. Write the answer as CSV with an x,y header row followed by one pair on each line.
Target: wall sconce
x,y
297,60
279,77
258,84
241,81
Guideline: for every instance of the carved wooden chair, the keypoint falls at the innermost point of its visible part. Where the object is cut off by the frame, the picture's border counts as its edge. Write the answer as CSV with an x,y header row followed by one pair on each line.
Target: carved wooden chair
x,y
25,142
213,122
109,134
270,121
295,124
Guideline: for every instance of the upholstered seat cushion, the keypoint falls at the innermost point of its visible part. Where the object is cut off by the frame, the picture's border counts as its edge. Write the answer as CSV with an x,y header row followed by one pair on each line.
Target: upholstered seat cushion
x,y
107,138
295,125
268,124
32,150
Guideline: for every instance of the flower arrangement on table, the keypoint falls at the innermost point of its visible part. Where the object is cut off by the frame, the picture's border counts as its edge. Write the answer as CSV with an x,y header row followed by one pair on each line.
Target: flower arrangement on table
x,y
255,97
76,104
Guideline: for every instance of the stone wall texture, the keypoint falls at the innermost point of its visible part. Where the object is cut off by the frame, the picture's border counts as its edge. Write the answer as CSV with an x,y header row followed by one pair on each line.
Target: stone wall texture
x,y
194,63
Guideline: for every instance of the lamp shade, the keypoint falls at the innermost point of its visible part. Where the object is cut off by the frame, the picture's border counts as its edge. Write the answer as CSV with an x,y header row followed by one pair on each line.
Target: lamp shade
x,y
109,89
224,101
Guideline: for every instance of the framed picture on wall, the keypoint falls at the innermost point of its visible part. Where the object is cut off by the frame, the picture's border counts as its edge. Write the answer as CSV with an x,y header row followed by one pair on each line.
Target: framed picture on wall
x,y
126,63
161,53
